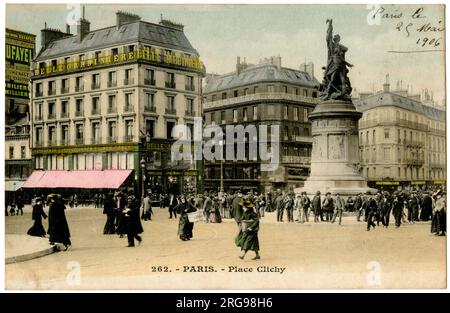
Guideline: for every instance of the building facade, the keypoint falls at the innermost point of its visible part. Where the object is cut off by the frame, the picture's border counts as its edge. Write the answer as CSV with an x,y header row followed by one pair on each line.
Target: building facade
x,y
264,94
402,140
109,99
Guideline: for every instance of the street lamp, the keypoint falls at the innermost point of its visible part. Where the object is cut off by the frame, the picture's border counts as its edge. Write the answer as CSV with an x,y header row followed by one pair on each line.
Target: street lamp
x,y
143,176
221,144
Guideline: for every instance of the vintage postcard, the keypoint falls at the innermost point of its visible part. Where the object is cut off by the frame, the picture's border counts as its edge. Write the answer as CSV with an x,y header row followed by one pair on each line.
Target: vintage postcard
x,y
224,146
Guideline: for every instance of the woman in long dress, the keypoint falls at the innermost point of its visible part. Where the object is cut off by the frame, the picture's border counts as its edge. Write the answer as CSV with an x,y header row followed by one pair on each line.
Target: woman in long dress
x,y
58,229
185,227
214,213
108,209
37,229
247,239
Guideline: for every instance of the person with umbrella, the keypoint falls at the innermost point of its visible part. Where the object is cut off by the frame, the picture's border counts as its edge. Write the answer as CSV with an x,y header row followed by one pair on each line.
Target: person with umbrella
x,y
247,239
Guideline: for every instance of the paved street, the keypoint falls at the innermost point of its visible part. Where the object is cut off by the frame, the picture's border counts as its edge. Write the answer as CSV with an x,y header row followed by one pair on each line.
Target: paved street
x,y
294,256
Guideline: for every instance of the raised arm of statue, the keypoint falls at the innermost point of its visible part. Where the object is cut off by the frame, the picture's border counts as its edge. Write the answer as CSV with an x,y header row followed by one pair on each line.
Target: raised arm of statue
x,y
330,36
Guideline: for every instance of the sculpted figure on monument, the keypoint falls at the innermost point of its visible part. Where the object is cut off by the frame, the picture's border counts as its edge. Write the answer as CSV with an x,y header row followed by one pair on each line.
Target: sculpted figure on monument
x,y
335,84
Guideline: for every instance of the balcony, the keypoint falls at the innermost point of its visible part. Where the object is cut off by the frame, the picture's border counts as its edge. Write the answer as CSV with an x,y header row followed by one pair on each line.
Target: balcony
x,y
148,81
189,113
52,92
112,110
303,139
413,143
128,108
395,122
112,84
79,141
79,88
95,86
296,159
150,109
171,111
51,116
111,139
259,97
64,114
39,93
78,113
128,138
64,142
190,87
65,90
415,162
128,81
170,85
95,112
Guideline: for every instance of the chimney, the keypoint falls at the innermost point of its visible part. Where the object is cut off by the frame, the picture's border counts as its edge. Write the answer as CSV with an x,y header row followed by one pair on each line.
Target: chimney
x,y
238,65
83,28
125,18
386,85
50,34
308,68
278,62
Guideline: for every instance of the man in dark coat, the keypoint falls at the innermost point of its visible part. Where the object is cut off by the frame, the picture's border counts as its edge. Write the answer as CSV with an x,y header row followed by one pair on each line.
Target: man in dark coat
x,y
108,209
358,207
172,203
132,221
58,229
328,206
317,207
385,209
372,209
279,205
397,209
427,207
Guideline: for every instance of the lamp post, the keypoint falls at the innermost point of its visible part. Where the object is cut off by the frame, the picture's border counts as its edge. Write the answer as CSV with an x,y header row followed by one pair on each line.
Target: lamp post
x,y
143,176
221,143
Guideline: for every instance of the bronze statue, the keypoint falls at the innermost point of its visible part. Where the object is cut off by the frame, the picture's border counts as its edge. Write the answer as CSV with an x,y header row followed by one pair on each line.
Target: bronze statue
x,y
335,85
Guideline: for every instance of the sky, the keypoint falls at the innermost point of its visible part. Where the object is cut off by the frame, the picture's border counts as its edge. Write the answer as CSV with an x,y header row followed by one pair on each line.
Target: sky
x,y
296,32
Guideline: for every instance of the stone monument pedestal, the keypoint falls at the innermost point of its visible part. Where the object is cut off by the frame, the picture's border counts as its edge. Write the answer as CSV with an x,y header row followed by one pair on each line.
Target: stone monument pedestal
x,y
335,150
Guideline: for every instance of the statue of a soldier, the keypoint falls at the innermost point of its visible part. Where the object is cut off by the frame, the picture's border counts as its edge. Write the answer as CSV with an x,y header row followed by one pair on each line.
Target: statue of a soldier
x,y
336,84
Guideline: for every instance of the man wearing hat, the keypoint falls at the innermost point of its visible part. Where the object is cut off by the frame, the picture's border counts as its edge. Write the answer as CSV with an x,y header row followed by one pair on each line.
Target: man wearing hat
x,y
317,207
339,205
385,209
133,226
279,204
236,208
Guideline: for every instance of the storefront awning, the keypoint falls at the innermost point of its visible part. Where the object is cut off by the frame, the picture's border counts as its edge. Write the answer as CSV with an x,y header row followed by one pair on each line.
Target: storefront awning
x,y
107,179
13,185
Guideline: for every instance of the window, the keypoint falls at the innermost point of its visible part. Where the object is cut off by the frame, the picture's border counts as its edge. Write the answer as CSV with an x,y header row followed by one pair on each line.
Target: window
x,y
255,90
170,105
112,131
235,93
95,105
245,115
295,113
170,80
285,151
285,89
128,102
39,136
222,117
270,88
286,132
305,115
189,106
285,110
114,51
224,95
305,92
79,107
128,77
98,55
65,85
235,116
129,130
149,102
54,64
96,132
51,88
190,83
150,128
213,117
386,133
11,152
169,127
64,134
130,48
79,133
296,151
373,136
149,78
82,58
79,83
51,135
255,112
39,92
112,104
51,110
22,152
112,79
245,91
387,154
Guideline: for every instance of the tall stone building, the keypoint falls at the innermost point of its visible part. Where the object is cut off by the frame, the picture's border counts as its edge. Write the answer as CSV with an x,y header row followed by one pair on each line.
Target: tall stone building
x,y
402,140
109,99
262,94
